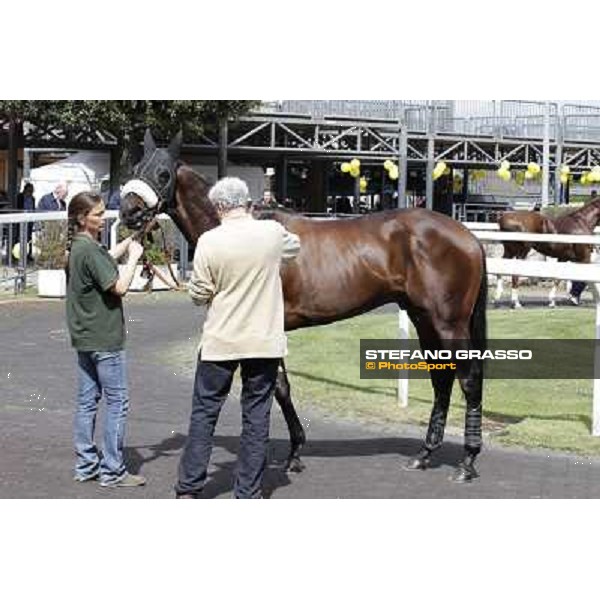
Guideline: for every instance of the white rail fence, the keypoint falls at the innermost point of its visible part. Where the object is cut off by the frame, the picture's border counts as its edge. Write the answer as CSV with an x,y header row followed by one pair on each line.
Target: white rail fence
x,y
20,221
534,268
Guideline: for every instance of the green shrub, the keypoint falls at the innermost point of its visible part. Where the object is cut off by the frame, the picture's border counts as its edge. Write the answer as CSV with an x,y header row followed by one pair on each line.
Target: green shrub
x,y
51,245
155,250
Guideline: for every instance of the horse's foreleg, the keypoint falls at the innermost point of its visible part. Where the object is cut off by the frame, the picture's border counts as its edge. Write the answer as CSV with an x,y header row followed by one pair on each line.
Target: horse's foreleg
x,y
442,385
520,251
552,296
297,435
472,386
499,288
514,295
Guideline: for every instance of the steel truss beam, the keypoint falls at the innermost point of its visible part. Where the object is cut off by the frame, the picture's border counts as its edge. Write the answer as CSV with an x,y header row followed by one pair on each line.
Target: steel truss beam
x,y
337,138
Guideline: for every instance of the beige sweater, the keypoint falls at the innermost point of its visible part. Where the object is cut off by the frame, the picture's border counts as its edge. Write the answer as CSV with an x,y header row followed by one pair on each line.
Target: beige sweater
x,y
236,272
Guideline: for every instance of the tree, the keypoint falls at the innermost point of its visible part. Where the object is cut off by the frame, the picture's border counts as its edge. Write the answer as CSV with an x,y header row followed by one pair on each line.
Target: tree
x,y
127,120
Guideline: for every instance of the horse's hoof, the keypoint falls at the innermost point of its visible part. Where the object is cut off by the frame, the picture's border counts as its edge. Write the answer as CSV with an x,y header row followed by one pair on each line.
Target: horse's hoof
x,y
419,463
464,474
517,305
294,465
552,305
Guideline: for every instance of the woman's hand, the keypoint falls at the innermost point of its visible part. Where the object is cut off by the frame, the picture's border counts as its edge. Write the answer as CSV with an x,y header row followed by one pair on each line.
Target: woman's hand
x,y
135,250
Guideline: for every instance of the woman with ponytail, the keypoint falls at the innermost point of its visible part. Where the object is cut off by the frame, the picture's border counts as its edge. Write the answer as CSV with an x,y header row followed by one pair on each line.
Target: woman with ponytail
x,y
97,328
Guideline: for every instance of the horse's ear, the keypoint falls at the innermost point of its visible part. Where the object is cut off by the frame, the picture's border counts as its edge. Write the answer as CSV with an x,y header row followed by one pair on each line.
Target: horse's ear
x,y
175,145
149,144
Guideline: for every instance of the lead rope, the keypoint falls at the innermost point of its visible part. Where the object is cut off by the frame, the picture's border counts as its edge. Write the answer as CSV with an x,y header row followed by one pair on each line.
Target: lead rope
x,y
149,270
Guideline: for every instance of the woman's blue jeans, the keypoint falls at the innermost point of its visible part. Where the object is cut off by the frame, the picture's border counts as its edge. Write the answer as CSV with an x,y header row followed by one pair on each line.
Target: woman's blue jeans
x,y
101,373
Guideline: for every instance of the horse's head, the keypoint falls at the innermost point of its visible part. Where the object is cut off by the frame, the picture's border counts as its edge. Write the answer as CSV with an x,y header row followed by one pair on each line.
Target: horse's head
x,y
152,189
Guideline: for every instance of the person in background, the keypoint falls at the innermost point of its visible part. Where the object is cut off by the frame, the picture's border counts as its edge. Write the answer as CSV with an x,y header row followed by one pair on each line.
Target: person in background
x,y
236,274
269,200
114,200
26,203
55,200
97,329
25,199
577,287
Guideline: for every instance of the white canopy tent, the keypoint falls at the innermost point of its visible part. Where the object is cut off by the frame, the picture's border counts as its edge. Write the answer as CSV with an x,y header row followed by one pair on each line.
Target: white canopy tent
x,y
81,171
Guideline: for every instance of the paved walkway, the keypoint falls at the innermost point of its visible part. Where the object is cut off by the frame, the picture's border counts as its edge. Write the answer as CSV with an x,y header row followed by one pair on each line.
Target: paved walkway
x,y
344,460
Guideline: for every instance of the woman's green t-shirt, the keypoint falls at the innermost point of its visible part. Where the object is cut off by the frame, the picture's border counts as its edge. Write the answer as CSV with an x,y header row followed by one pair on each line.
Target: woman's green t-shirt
x,y
94,314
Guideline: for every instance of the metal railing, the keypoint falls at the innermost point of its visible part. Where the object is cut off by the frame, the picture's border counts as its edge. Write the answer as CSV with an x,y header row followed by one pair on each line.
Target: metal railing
x,y
23,228
503,118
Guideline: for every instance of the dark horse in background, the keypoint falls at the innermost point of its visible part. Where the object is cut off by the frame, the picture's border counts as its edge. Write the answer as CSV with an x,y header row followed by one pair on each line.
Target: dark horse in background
x,y
579,222
428,264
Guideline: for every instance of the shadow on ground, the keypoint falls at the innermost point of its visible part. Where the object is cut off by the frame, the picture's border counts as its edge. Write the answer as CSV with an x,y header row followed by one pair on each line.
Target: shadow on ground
x,y
222,472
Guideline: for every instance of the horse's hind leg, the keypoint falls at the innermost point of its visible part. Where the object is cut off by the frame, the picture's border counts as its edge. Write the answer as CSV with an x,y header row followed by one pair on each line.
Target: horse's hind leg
x,y
442,385
297,436
471,382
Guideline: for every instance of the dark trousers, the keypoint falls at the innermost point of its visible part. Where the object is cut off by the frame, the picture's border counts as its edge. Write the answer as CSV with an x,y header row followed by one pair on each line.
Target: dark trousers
x,y
577,288
211,387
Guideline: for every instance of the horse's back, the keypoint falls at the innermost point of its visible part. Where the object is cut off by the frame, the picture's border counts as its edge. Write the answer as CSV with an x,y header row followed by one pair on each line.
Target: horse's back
x,y
348,266
525,222
405,222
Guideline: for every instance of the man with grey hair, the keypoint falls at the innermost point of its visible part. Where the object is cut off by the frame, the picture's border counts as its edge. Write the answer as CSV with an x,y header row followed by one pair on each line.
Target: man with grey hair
x,y
54,200
236,274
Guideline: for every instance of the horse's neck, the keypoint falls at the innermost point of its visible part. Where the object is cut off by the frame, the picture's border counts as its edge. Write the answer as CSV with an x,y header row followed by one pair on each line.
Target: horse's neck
x,y
194,214
588,216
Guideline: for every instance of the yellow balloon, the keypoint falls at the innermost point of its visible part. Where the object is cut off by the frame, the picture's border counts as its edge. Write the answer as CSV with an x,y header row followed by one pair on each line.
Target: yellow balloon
x,y
355,172
565,170
393,174
534,168
16,251
583,179
528,175
564,178
355,163
503,174
345,168
439,170
388,164
505,165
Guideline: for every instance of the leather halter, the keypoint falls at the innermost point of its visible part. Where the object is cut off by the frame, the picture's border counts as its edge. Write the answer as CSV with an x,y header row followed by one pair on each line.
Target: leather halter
x,y
166,203
146,172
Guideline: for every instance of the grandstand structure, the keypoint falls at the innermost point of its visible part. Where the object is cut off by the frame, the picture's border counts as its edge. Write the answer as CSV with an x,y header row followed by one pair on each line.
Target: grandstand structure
x,y
304,141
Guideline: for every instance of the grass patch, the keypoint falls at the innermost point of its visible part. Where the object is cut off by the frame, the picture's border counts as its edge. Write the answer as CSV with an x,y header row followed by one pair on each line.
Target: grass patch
x,y
323,366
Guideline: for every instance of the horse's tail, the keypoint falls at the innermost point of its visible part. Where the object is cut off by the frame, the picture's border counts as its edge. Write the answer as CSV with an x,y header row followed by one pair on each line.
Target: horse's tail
x,y
478,327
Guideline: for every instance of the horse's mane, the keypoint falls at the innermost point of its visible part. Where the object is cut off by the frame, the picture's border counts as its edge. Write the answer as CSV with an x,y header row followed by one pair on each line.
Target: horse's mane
x,y
202,185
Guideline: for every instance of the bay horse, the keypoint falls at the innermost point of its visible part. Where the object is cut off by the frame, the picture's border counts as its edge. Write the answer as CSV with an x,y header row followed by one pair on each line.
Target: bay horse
x,y
427,263
581,221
